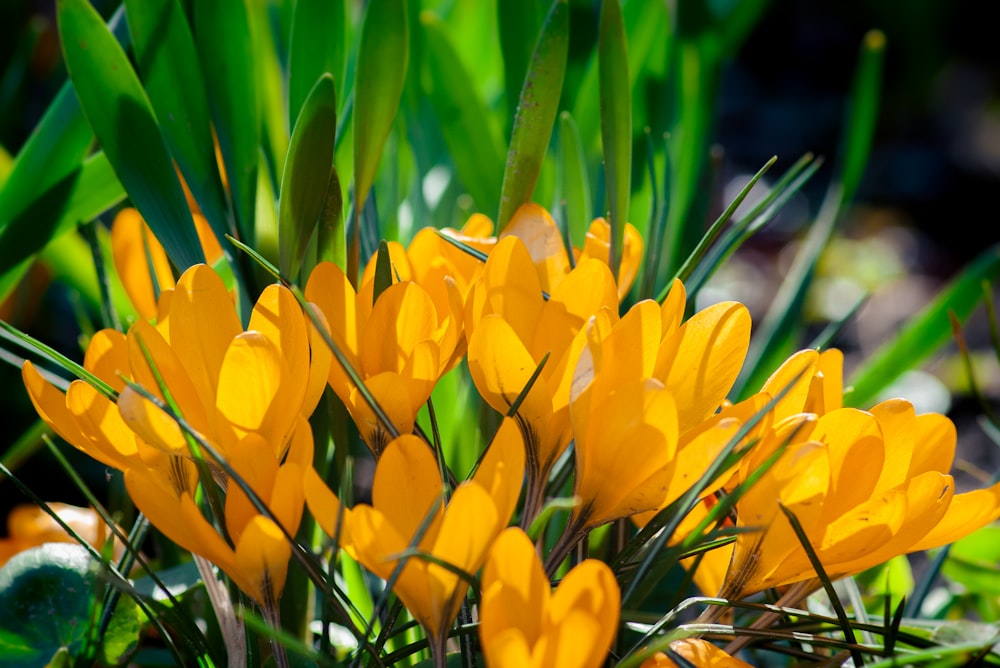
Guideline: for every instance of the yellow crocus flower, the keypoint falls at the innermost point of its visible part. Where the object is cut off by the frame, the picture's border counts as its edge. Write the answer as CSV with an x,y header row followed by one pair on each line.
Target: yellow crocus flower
x,y
407,491
399,346
511,327
866,486
523,623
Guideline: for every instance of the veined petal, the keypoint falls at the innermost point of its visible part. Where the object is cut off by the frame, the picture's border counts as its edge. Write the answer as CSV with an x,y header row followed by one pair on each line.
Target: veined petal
x,y
700,362
392,395
533,225
251,390
50,404
501,471
203,321
511,288
966,513
795,374
167,365
262,555
516,591
584,613
330,290
279,318
468,528
331,516
134,252
402,317
99,418
107,357
177,517
407,485
673,307
501,366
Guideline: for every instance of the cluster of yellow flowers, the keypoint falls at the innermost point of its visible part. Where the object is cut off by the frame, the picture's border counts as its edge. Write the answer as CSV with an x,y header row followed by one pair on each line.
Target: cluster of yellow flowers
x,y
641,396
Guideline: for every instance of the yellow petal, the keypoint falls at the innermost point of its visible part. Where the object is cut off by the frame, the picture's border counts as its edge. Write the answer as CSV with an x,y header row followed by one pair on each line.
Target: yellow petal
x,y
254,464
794,378
515,590
857,452
177,517
320,360
279,318
403,316
533,225
704,654
331,516
966,513
262,555
151,423
583,615
501,367
203,321
468,528
167,365
134,250
407,485
400,264
330,290
700,362
630,349
50,404
511,288
392,395
509,649
251,391
501,470
672,309
99,418
107,357
826,392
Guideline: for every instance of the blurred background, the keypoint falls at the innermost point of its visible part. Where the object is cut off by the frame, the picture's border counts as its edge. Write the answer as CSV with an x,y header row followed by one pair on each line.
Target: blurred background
x,y
925,209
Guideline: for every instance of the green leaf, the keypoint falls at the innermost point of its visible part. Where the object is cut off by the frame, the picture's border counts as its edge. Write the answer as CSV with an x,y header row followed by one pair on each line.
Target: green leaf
x,y
331,238
383,55
77,198
122,635
972,561
223,39
122,119
616,121
925,333
56,147
519,22
863,113
46,603
316,45
474,143
306,176
167,61
536,113
574,187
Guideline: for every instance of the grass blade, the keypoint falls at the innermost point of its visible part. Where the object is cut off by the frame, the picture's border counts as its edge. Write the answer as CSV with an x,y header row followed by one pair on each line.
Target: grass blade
x,y
616,122
536,113
122,118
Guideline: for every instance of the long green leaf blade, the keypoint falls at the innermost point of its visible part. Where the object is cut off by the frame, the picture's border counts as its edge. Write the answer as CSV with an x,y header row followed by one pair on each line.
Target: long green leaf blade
x,y
383,54
616,121
225,50
475,144
316,45
77,198
168,63
574,187
120,114
536,113
306,175
924,335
